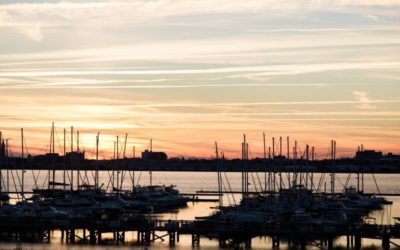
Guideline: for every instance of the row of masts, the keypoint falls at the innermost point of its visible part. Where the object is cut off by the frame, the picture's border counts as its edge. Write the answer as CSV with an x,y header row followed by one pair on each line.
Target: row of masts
x,y
51,175
299,178
276,150
270,180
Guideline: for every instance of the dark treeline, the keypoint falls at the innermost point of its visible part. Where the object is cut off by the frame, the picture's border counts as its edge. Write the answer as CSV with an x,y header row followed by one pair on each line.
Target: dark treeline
x,y
347,165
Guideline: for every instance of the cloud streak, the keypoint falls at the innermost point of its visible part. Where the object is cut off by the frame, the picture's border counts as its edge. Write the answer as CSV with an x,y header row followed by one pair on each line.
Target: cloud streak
x,y
364,101
266,70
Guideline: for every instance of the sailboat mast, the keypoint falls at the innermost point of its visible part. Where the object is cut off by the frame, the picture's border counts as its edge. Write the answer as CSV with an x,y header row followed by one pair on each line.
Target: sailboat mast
x,y
72,139
265,151
219,176
133,171
78,174
288,145
53,155
151,153
65,155
77,141
22,163
54,139
117,152
332,166
126,139
265,173
72,150
1,160
8,165
307,159
51,152
312,161
117,147
117,162
97,163
245,181
273,147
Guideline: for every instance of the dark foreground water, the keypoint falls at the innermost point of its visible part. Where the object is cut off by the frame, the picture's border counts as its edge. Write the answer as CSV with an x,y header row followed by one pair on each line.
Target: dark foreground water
x,y
190,182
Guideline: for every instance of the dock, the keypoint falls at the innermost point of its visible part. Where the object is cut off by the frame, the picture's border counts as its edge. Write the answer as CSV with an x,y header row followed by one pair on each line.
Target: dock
x,y
30,229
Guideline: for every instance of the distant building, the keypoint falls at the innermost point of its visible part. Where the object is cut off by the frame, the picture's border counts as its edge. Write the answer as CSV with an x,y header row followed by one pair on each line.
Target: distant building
x,y
75,157
369,155
49,157
391,156
155,156
2,150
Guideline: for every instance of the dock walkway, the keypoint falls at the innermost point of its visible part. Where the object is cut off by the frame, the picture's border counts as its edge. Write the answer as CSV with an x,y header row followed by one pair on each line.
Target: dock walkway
x,y
79,230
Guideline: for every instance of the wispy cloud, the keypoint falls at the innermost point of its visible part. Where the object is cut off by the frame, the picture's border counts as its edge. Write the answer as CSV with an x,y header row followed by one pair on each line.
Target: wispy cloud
x,y
266,70
372,17
113,85
364,101
42,14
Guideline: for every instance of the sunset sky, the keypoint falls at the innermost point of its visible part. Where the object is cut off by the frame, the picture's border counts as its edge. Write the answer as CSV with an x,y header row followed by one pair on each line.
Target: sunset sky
x,y
187,73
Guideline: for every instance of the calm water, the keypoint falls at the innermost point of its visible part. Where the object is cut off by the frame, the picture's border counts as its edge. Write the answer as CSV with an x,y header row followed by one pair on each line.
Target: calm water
x,y
190,182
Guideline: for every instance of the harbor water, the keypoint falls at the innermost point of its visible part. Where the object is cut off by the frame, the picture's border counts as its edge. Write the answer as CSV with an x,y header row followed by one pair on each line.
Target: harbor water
x,y
191,182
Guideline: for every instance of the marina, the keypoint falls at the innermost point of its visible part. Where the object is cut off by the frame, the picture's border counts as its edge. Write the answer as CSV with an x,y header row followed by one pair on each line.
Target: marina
x,y
199,124
296,208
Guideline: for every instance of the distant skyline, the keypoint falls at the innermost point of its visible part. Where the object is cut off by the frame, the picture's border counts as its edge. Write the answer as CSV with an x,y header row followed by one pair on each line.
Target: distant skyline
x,y
188,73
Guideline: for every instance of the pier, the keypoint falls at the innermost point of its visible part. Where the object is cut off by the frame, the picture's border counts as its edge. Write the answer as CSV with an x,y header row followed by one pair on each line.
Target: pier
x,y
150,230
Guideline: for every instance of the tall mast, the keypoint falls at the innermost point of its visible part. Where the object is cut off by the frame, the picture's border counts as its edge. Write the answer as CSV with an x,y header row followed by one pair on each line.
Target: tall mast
x,y
288,145
273,147
8,165
77,141
53,155
53,139
219,176
97,146
78,173
65,154
117,147
332,166
133,171
1,160
117,163
151,145
126,139
151,153
269,152
22,163
72,139
113,170
51,151
72,150
265,173
312,160
97,159
307,159
245,181
265,152
280,146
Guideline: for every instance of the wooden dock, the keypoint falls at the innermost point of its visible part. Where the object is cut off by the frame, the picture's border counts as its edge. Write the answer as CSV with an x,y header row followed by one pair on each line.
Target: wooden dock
x,y
80,230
